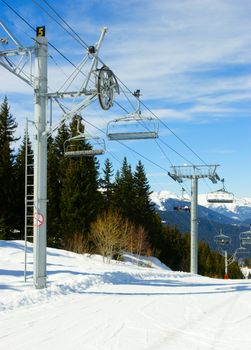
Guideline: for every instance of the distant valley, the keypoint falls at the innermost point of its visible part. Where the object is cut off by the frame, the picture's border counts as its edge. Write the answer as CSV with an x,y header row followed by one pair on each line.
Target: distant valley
x,y
231,218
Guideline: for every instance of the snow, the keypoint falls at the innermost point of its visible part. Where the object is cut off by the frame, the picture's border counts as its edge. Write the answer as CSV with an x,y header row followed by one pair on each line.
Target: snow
x,y
238,202
240,209
159,198
134,304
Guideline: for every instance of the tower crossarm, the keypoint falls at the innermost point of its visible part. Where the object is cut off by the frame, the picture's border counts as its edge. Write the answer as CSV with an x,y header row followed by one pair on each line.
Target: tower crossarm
x,y
194,171
19,51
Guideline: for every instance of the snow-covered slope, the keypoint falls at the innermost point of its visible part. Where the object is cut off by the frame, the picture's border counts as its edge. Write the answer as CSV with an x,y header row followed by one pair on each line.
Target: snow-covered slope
x,y
92,305
159,198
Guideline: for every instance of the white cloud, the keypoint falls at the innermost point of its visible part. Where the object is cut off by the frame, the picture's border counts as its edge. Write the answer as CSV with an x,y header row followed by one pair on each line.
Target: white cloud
x,y
164,49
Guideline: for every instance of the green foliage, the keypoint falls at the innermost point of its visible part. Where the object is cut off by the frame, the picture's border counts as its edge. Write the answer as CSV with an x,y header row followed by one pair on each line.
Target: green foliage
x,y
234,271
246,262
7,174
53,195
3,229
19,169
80,200
171,247
144,208
123,194
107,184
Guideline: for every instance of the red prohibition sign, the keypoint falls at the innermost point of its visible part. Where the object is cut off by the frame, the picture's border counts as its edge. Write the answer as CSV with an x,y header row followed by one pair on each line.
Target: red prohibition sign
x,y
38,219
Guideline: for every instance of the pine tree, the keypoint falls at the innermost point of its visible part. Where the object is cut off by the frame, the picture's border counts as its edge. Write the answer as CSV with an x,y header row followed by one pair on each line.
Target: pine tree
x,y
185,262
171,247
107,184
80,199
62,135
53,194
20,182
124,195
7,179
143,206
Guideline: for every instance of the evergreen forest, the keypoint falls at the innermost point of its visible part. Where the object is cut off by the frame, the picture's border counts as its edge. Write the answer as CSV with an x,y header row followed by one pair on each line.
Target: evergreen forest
x,y
92,209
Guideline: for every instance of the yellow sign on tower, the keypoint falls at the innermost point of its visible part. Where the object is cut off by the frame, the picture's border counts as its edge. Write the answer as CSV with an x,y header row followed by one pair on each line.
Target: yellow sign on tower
x,y
40,31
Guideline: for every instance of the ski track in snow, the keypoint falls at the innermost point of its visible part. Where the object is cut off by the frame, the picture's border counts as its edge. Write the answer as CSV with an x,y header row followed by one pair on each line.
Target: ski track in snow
x,y
90,305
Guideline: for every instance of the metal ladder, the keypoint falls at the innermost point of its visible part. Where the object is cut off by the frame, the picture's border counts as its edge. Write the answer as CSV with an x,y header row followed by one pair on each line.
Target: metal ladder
x,y
28,201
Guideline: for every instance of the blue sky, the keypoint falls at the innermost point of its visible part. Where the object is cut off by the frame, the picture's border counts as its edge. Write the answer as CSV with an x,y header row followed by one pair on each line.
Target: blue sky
x,y
191,61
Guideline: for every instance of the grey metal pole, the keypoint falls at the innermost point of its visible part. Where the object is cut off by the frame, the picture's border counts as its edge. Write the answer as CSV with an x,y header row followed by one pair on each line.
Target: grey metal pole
x,y
226,271
25,201
194,227
40,163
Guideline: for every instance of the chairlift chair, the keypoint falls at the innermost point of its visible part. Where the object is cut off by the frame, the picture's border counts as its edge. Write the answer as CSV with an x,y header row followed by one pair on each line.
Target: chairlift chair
x,y
134,126
220,196
245,237
84,145
182,208
241,251
222,239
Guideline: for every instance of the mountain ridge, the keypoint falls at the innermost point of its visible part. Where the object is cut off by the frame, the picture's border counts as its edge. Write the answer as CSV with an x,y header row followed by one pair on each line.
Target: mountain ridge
x,y
231,218
239,210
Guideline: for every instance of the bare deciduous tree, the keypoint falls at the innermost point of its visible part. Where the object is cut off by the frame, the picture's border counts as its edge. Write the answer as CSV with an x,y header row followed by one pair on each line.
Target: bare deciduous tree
x,y
109,234
139,243
78,243
112,234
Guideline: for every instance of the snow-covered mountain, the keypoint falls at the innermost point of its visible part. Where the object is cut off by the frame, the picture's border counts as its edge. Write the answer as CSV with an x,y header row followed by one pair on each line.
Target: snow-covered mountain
x,y
239,210
161,198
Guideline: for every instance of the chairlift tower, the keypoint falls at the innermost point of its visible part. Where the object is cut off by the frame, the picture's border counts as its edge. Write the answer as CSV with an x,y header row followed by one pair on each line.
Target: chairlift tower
x,y
194,173
105,86
40,51
222,241
40,162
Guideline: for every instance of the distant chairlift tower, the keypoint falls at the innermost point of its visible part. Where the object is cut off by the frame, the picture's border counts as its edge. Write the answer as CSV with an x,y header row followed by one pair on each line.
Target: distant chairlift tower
x,y
194,172
222,241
